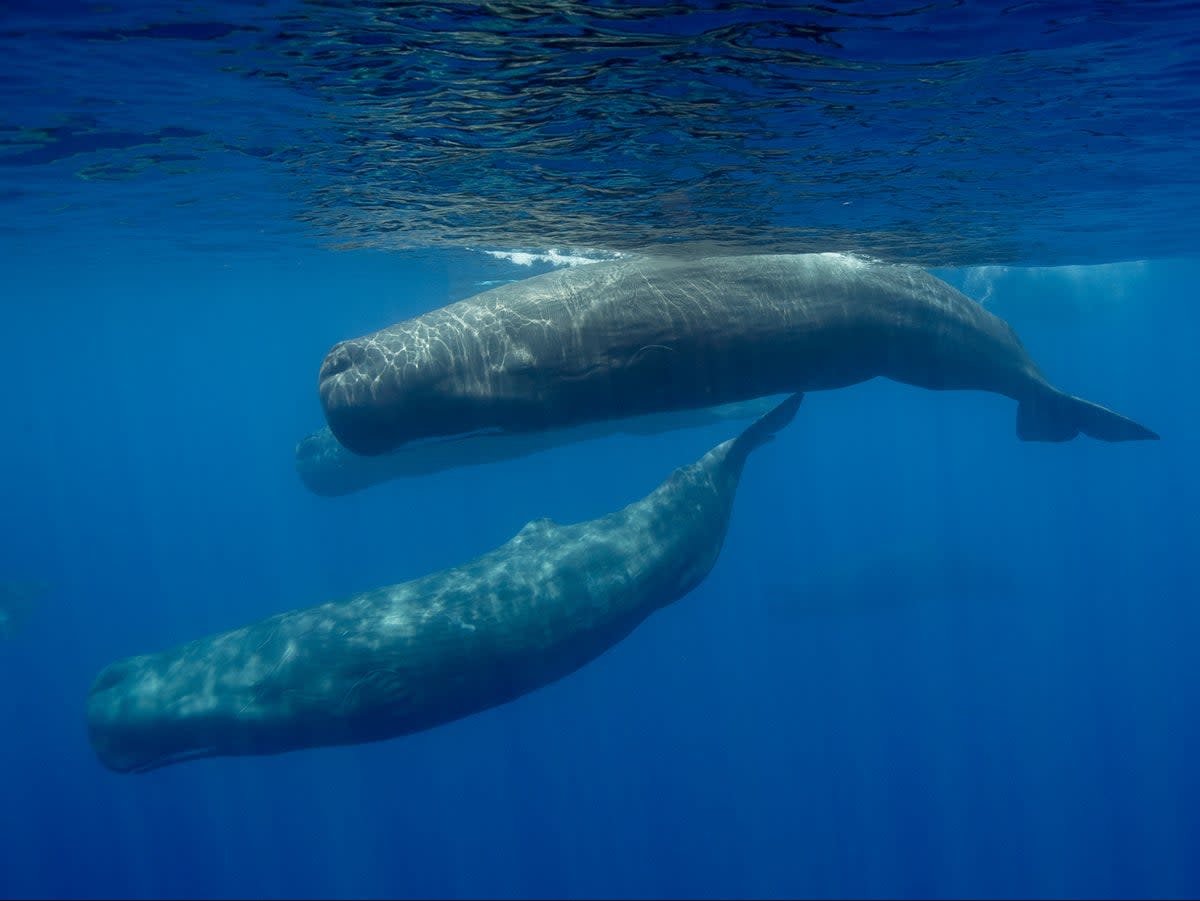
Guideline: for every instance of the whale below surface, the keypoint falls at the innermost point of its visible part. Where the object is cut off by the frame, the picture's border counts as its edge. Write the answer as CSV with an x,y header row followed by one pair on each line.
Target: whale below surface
x,y
636,336
408,657
328,469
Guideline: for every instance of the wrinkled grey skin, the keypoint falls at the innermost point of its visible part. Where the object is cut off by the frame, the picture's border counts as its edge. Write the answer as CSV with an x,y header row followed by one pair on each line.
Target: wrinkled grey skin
x,y
630,337
328,469
411,656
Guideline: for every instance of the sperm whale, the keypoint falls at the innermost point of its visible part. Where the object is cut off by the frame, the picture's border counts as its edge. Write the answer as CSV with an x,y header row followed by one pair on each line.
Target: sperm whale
x,y
411,656
636,336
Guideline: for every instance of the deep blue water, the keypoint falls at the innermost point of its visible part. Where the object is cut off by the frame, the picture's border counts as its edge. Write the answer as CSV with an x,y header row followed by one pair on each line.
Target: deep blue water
x,y
197,206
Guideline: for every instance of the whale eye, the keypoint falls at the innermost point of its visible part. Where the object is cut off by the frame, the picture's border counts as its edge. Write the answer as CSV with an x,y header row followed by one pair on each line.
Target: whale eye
x,y
517,360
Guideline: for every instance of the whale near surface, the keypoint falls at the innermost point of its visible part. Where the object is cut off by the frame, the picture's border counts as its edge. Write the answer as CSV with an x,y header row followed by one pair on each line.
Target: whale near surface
x,y
328,469
418,654
637,336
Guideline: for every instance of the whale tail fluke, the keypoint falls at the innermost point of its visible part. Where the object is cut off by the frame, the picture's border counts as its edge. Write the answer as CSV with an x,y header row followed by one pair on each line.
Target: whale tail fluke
x,y
1060,417
764,428
733,453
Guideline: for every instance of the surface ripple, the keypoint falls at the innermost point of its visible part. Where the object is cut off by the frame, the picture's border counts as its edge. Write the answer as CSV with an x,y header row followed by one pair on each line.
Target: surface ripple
x,y
940,133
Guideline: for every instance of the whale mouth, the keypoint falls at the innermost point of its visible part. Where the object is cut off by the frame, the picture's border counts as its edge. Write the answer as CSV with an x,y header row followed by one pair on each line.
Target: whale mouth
x,y
138,749
168,759
454,438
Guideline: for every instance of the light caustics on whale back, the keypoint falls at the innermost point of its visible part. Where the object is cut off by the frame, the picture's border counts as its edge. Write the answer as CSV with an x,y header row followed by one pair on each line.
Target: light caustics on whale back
x,y
412,656
639,336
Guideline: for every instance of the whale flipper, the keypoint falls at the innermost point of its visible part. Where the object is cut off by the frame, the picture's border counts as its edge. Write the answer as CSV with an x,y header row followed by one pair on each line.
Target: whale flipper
x,y
1060,417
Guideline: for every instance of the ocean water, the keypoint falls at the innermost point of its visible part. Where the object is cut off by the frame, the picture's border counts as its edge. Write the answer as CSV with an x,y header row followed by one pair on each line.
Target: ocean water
x,y
932,660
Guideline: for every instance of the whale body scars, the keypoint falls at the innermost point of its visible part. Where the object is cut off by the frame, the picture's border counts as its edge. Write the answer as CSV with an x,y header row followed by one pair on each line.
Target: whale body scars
x,y
411,656
632,337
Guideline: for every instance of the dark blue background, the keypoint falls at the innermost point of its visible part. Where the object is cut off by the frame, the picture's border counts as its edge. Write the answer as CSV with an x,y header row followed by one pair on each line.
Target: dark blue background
x,y
932,659
1035,737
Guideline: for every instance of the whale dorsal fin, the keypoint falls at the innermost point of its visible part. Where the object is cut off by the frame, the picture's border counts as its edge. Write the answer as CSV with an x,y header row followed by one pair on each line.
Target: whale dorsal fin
x,y
537,527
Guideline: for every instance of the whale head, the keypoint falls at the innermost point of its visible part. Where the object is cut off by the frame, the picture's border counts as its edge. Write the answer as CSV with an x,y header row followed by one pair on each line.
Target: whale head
x,y
261,689
360,396
135,723
195,701
379,393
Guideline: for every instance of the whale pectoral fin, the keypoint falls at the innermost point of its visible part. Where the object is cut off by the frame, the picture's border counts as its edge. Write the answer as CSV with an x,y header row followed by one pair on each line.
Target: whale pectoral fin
x,y
1060,417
